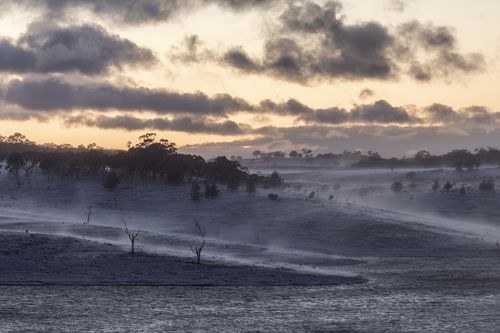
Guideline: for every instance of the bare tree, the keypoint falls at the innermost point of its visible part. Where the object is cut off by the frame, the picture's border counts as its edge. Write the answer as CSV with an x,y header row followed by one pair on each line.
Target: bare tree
x,y
132,236
88,216
198,245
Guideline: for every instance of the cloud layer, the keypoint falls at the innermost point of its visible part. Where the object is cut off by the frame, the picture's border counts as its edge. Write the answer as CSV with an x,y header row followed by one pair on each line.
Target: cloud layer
x,y
61,69
87,49
54,94
182,124
129,11
315,42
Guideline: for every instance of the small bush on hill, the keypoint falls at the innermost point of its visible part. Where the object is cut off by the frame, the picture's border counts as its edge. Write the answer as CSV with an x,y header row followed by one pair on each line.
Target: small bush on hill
x,y
211,190
448,186
396,187
411,176
436,186
251,183
487,186
111,180
272,196
462,190
195,191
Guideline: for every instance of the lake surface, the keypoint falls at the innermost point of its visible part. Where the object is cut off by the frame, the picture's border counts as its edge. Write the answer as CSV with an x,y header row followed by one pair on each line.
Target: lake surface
x,y
370,307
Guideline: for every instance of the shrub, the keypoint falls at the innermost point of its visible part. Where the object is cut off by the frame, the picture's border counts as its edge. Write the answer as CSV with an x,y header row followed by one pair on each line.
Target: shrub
x,y
436,186
272,196
396,187
233,184
324,188
448,186
487,186
211,190
251,183
111,180
462,190
275,179
363,192
15,162
411,176
195,191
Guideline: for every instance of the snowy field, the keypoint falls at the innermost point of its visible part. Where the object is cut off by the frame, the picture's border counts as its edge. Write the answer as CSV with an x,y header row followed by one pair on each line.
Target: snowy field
x,y
417,250
352,220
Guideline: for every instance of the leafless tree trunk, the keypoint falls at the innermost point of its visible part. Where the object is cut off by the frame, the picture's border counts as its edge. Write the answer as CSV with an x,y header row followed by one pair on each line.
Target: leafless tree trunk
x,y
197,246
88,216
132,236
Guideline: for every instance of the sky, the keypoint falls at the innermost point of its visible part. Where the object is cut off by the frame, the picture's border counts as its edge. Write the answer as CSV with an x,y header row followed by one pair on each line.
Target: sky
x,y
234,76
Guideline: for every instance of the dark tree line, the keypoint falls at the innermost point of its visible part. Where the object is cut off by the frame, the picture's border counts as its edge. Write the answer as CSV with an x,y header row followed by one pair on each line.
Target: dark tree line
x,y
461,160
149,159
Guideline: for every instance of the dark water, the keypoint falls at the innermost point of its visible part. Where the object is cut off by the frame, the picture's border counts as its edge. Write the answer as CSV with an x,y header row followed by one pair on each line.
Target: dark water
x,y
362,308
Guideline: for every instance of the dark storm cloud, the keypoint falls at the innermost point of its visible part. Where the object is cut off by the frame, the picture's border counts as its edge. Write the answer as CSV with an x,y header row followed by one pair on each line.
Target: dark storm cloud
x,y
291,107
442,113
440,45
87,49
481,115
239,59
242,4
130,11
314,42
15,59
119,122
183,124
228,127
55,98
125,11
472,117
340,50
52,94
328,116
380,112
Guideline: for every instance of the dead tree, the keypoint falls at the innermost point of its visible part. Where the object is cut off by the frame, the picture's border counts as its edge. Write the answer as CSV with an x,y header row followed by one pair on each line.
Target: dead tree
x,y
132,236
198,245
88,216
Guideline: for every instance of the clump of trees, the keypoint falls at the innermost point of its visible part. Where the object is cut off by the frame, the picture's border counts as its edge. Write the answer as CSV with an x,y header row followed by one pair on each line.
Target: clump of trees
x,y
459,159
150,159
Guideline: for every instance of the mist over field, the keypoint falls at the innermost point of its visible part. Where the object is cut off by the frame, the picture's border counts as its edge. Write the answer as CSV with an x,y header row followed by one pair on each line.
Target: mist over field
x,y
249,166
86,217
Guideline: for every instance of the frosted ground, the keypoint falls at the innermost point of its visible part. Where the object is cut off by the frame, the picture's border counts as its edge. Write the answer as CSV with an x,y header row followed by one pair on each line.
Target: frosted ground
x,y
418,250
